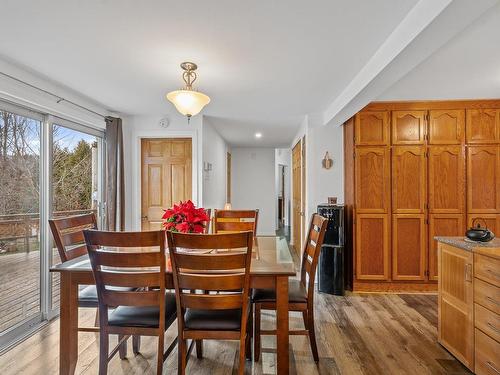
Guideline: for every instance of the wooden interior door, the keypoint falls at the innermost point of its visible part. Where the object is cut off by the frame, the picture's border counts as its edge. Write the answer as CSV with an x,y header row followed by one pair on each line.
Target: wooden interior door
x,y
166,177
372,128
372,246
446,127
409,247
455,303
409,184
442,225
408,127
297,195
446,179
482,126
372,179
483,179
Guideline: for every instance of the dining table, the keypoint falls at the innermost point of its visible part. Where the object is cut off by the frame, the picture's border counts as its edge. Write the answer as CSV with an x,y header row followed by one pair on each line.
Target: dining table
x,y
272,265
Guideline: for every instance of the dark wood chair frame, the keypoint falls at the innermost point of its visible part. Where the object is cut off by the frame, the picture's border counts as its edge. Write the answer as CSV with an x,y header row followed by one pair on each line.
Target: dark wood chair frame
x,y
148,284
310,256
236,226
68,238
227,273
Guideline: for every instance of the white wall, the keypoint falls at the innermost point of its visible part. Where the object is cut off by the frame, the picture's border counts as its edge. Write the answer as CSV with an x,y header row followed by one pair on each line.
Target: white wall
x,y
214,181
283,156
137,127
254,185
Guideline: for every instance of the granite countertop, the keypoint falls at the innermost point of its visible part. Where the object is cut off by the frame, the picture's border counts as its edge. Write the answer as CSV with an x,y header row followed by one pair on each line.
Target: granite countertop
x,y
491,248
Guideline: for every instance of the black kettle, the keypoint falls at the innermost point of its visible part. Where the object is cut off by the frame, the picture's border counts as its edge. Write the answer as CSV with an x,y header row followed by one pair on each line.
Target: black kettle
x,y
479,233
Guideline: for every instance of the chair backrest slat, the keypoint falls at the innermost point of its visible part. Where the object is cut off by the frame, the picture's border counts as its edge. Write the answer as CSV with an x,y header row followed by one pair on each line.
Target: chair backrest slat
x,y
68,234
138,269
311,251
228,271
227,221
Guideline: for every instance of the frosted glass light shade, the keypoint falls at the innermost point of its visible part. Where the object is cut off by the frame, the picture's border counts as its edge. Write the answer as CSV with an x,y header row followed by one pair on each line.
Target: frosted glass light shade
x,y
188,102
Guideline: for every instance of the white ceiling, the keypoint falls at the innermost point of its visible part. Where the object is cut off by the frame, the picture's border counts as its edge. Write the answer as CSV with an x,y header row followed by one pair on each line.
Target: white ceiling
x,y
467,67
265,64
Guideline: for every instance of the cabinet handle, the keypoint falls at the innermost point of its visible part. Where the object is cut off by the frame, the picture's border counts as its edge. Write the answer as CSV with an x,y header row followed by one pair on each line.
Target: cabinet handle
x,y
468,272
492,366
493,327
493,301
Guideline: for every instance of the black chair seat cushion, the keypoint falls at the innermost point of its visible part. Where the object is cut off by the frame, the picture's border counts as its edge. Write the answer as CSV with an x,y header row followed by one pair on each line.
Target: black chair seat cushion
x,y
87,297
143,316
213,320
296,293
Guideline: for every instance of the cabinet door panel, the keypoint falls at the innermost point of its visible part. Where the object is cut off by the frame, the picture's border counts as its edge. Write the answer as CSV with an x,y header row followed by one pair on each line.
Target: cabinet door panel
x,y
408,127
409,187
449,225
455,303
482,126
446,127
372,246
372,179
483,179
446,179
372,128
409,247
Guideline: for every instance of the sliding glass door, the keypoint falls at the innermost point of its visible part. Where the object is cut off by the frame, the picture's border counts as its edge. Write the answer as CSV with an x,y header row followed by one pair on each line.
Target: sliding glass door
x,y
20,282
76,157
49,167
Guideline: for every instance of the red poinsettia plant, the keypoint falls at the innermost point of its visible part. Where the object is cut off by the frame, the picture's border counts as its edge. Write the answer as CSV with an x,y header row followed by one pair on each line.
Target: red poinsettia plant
x,y
186,218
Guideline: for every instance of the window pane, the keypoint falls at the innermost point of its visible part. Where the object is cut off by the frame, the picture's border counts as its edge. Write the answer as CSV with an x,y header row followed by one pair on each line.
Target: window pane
x,y
74,181
19,219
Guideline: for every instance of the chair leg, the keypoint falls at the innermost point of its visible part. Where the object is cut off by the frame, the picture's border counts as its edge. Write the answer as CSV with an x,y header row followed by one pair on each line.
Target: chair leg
x,y
241,368
181,362
103,352
161,345
199,349
249,335
136,344
312,335
256,338
123,347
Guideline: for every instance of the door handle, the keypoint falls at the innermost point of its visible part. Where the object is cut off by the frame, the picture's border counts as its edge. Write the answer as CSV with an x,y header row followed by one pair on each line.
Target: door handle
x,y
468,272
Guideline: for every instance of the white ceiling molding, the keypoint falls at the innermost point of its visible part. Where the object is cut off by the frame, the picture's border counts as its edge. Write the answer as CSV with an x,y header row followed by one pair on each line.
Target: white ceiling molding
x,y
428,26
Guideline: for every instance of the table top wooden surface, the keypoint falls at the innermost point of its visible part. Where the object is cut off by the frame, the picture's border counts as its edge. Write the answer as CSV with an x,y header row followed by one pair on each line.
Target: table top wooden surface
x,y
270,256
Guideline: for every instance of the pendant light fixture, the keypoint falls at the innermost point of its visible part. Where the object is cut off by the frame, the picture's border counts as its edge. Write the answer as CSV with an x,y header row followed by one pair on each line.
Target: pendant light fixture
x,y
188,101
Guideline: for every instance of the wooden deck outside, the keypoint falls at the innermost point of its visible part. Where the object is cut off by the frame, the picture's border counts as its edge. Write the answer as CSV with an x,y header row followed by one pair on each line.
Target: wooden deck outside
x,y
20,287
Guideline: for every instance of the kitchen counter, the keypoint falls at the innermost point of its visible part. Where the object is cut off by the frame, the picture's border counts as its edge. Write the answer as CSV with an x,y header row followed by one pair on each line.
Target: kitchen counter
x,y
491,249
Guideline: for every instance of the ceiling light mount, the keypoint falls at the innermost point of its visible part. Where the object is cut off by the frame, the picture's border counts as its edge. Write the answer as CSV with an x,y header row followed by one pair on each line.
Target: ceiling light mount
x,y
188,101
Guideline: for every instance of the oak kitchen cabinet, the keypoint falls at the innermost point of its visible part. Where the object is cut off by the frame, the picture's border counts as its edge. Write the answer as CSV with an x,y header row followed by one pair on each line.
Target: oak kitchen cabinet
x,y
426,169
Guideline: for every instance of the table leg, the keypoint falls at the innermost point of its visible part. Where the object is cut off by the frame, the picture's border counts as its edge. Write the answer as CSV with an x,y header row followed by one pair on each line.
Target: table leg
x,y
68,325
282,341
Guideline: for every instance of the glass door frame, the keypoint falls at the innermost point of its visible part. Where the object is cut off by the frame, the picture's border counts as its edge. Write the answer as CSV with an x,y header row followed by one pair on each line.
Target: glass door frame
x,y
51,122
23,329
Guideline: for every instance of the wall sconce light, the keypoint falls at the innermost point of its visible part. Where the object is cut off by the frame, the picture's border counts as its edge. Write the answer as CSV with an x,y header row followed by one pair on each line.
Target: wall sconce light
x,y
207,167
327,162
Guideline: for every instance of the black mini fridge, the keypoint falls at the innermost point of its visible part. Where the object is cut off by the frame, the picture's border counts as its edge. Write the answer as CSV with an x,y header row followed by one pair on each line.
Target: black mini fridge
x,y
331,258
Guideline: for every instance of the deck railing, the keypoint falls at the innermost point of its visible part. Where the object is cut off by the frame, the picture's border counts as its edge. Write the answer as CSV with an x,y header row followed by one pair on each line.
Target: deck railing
x,y
21,232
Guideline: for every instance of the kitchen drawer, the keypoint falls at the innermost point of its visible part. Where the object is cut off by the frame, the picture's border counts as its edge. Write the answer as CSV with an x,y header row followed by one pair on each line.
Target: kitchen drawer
x,y
487,355
487,321
487,269
487,295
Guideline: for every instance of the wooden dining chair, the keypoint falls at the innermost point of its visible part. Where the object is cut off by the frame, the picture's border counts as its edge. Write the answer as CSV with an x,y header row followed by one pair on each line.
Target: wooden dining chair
x,y
223,315
300,292
230,221
147,309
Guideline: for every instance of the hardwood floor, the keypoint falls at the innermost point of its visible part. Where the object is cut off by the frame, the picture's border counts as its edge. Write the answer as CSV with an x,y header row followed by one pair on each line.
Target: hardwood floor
x,y
356,334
